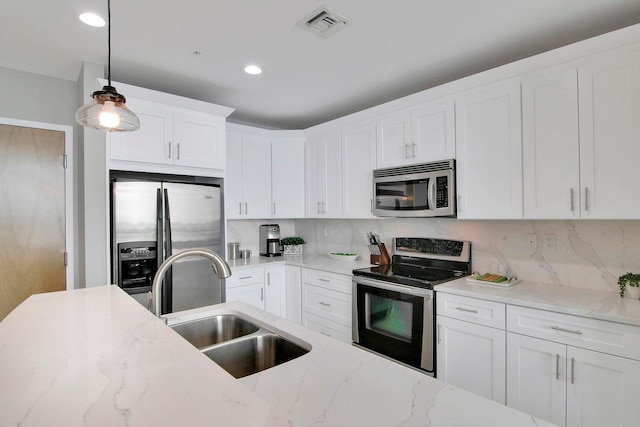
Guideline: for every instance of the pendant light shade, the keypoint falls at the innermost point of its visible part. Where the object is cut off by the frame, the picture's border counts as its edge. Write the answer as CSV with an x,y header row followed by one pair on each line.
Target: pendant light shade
x,y
107,110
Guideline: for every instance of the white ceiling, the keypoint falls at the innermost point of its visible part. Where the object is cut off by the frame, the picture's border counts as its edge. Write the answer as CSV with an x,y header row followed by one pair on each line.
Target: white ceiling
x,y
391,49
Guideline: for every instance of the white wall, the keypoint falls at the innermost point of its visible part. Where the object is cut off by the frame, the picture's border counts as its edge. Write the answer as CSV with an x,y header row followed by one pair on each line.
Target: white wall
x,y
588,254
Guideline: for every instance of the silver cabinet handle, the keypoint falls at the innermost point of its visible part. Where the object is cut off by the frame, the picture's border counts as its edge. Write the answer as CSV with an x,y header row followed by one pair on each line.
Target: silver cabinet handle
x,y
438,334
244,277
413,149
571,331
468,310
268,279
318,207
325,333
169,149
557,366
326,304
459,203
240,208
571,198
261,294
178,151
586,198
371,205
573,370
274,208
246,208
406,148
324,280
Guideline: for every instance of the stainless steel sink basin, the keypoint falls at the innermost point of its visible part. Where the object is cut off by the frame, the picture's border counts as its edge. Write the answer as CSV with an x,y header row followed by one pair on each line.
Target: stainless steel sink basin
x,y
214,330
253,354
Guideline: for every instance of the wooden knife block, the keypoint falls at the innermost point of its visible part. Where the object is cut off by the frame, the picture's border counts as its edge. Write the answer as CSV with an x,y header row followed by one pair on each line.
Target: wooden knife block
x,y
383,258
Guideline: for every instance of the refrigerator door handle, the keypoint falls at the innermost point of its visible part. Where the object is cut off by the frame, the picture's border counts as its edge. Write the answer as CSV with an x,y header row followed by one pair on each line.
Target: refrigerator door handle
x,y
168,278
159,234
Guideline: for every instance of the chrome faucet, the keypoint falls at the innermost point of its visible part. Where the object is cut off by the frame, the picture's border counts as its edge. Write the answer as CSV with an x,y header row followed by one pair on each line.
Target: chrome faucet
x,y
218,263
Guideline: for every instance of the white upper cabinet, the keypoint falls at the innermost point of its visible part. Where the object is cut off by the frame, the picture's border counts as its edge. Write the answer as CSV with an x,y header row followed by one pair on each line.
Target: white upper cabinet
x,y
358,162
287,177
248,184
422,134
489,152
609,104
550,145
170,136
323,195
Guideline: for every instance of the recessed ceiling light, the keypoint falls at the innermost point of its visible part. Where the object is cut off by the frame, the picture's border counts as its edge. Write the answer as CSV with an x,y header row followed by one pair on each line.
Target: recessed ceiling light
x,y
252,69
92,19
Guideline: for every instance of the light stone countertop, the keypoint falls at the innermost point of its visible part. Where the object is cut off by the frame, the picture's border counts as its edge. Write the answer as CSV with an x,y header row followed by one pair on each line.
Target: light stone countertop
x,y
319,262
594,304
95,357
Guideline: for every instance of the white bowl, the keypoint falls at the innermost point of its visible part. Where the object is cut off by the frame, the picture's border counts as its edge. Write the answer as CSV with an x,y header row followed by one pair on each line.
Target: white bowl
x,y
343,255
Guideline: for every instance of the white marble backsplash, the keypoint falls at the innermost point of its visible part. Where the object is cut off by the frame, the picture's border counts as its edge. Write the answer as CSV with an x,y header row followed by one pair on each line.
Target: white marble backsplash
x,y
588,254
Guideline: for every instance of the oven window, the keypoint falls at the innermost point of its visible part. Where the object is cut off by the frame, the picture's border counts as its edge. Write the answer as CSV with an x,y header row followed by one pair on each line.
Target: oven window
x,y
403,196
389,317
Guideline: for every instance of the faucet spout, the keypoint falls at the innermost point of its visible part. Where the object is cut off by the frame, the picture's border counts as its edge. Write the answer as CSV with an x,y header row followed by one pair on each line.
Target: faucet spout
x,y
218,263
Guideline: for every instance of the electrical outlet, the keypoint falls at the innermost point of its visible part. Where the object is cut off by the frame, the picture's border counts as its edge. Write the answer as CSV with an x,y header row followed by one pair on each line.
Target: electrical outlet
x,y
549,242
532,242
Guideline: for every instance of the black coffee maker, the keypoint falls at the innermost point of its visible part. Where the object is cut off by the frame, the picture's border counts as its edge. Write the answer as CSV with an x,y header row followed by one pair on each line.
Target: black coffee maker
x,y
270,240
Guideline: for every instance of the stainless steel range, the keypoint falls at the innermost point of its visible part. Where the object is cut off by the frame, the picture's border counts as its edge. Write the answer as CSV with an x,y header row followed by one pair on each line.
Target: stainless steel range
x,y
393,305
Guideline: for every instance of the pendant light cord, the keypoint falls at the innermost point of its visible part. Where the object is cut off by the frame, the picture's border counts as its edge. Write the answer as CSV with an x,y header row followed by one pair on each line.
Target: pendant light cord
x,y
109,41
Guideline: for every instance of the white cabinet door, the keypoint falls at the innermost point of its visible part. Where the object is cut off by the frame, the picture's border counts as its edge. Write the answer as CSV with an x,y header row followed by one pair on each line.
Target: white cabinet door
x,y
433,131
358,163
293,291
199,140
489,152
153,142
248,184
275,297
393,140
233,180
323,198
256,177
602,390
550,145
609,134
251,294
287,178
471,357
536,377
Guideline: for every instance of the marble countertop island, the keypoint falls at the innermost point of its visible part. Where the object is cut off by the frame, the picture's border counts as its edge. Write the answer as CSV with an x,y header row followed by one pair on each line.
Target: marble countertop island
x,y
95,357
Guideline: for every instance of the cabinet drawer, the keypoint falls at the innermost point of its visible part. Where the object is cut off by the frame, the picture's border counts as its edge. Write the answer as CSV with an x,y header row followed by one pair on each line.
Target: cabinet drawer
x,y
326,303
337,282
245,276
327,327
482,312
600,335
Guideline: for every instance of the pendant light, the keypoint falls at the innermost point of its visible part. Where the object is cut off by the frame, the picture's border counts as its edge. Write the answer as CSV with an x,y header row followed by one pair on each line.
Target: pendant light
x,y
107,110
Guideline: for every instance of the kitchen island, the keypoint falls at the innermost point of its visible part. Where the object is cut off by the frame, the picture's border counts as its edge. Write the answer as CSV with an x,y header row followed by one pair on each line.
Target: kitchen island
x,y
96,357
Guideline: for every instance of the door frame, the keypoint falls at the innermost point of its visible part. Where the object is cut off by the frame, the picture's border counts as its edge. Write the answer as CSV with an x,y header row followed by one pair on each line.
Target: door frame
x,y
68,183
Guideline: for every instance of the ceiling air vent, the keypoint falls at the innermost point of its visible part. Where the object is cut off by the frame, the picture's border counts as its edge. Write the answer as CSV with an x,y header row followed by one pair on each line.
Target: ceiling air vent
x,y
323,21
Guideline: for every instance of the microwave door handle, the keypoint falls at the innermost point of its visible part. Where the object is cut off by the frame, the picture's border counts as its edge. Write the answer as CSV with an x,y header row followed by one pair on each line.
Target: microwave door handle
x,y
431,193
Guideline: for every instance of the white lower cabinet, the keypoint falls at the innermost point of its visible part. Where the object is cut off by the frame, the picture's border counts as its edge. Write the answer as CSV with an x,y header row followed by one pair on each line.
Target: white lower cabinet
x,y
471,355
293,292
550,377
262,287
326,303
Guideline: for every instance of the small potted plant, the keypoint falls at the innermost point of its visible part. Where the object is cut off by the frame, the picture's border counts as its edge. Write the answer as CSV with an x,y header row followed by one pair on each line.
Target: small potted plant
x,y
292,245
629,285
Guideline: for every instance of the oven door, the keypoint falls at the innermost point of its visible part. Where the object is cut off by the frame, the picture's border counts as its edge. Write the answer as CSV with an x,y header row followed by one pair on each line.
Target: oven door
x,y
395,321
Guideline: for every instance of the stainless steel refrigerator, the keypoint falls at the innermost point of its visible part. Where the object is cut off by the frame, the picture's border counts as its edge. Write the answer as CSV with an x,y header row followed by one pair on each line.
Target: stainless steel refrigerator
x,y
154,216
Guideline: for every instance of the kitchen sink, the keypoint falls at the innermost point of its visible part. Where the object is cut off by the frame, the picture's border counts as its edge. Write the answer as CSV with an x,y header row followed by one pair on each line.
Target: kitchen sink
x,y
254,354
214,330
240,346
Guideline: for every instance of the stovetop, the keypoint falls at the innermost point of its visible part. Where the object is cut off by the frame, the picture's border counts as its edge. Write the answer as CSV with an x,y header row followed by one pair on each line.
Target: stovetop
x,y
423,262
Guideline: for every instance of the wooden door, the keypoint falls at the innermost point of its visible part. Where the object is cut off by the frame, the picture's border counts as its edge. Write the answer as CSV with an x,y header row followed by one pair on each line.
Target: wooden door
x,y
32,214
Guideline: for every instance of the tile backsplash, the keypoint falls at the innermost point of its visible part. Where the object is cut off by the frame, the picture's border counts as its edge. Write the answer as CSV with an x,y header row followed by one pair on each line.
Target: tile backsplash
x,y
584,254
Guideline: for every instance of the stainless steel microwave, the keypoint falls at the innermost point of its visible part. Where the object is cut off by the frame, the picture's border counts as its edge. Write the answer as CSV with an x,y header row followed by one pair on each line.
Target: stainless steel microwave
x,y
422,190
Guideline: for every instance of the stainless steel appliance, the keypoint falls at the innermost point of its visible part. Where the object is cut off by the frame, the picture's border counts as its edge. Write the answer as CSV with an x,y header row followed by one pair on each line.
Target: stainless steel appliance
x,y
270,240
423,190
393,305
154,216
